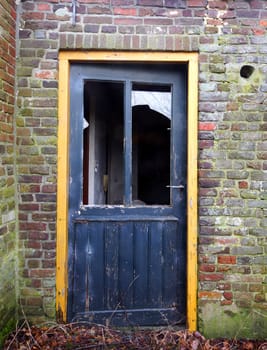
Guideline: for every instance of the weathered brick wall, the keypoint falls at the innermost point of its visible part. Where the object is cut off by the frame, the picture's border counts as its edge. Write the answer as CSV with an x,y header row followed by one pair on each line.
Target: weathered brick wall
x,y
232,140
7,179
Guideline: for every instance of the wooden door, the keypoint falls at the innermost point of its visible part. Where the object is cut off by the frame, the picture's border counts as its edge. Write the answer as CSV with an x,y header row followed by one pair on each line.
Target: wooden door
x,y
127,194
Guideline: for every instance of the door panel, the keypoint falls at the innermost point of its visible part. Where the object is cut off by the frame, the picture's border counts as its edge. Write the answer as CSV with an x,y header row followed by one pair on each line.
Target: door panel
x,y
127,195
126,268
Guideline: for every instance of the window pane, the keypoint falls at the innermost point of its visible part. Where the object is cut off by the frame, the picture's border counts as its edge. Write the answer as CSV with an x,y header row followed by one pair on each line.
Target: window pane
x,y
103,180
151,113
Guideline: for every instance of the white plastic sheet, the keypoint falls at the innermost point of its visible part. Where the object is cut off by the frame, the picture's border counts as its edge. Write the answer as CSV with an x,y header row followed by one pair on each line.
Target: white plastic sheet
x,y
158,101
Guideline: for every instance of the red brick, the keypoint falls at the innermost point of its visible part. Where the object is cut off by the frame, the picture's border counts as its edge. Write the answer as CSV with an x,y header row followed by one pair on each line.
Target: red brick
x,y
211,277
210,295
45,74
196,3
43,7
38,236
42,273
125,11
202,144
263,23
226,240
150,2
226,259
224,268
222,5
209,126
259,31
226,302
36,283
224,286
33,245
33,16
36,226
127,21
207,268
242,184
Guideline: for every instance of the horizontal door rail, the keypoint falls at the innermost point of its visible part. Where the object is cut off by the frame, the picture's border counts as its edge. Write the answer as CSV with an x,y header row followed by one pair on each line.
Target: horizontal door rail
x,y
124,218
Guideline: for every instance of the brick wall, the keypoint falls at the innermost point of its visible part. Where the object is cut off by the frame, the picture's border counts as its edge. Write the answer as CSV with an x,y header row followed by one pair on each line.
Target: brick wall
x,y
231,39
7,179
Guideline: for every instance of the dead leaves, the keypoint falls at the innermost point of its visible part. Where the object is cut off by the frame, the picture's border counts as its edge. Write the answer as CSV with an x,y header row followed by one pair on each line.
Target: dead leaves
x,y
83,336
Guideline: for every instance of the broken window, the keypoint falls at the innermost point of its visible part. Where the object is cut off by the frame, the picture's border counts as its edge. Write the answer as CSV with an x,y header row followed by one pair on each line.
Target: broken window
x,y
112,156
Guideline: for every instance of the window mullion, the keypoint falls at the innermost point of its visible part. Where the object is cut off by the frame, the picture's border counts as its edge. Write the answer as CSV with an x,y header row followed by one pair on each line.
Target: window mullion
x,y
127,143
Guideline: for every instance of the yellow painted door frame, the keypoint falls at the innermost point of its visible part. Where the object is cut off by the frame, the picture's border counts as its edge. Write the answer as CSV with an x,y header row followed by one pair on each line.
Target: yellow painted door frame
x,y
65,60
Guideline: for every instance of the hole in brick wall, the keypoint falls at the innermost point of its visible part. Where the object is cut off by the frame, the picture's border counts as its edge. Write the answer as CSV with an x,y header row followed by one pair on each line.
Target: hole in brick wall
x,y
246,71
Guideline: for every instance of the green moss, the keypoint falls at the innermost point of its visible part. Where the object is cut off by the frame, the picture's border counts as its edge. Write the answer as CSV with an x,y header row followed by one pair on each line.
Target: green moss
x,y
8,192
263,195
232,322
35,83
216,59
232,77
20,122
224,87
247,194
217,68
27,112
6,330
45,93
223,40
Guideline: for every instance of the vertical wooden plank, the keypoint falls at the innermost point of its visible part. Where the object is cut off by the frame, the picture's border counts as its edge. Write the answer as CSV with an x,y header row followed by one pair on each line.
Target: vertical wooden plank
x,y
111,266
192,193
80,270
155,264
141,264
62,190
171,253
96,266
126,271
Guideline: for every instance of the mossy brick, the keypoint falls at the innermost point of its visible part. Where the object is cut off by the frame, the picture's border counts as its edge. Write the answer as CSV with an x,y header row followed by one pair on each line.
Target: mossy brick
x,y
45,140
30,62
40,53
241,175
44,132
25,92
247,194
35,84
50,84
242,155
45,112
25,112
43,102
260,260
247,250
49,122
263,195
24,71
217,68
36,44
45,93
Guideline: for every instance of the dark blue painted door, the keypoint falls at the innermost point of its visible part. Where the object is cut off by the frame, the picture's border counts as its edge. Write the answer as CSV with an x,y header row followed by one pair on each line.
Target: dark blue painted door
x,y
127,194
